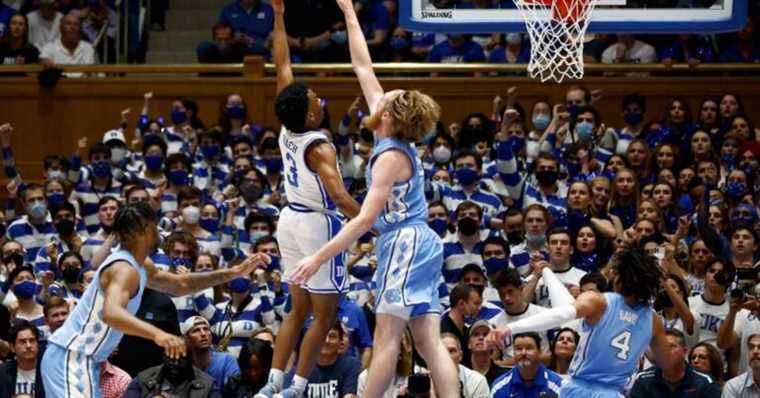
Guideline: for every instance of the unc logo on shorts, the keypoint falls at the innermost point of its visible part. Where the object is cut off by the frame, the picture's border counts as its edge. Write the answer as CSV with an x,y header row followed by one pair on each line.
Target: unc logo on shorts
x,y
393,296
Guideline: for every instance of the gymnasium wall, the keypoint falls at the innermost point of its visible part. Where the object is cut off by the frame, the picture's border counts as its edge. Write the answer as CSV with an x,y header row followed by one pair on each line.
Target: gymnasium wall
x,y
49,121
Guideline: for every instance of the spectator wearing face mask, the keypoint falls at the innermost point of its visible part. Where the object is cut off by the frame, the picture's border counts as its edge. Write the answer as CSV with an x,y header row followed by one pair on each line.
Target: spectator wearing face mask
x,y
96,181
121,157
25,289
189,201
233,321
536,220
174,378
212,165
35,229
237,242
181,248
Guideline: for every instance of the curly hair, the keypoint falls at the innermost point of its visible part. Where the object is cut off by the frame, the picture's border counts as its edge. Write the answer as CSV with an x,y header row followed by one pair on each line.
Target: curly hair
x,y
185,238
131,220
414,114
292,105
638,274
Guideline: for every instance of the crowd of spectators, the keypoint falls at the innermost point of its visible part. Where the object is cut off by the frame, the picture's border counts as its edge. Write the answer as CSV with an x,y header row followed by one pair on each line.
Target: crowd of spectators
x,y
316,33
532,186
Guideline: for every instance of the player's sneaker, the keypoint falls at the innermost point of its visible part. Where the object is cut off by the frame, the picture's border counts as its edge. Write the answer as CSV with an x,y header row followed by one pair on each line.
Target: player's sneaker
x,y
288,393
268,391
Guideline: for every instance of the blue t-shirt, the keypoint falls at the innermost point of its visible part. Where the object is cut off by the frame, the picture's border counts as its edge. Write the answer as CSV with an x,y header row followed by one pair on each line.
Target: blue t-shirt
x,y
222,367
333,381
258,23
5,18
510,384
469,51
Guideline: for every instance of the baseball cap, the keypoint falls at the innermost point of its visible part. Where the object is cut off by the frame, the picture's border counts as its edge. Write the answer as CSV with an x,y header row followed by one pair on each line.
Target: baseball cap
x,y
479,323
190,323
114,135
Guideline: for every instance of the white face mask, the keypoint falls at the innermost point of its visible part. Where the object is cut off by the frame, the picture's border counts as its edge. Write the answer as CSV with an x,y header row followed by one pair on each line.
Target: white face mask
x,y
118,154
441,154
191,214
52,174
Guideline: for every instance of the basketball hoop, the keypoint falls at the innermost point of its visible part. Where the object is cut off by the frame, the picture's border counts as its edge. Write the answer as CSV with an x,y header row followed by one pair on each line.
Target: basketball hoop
x,y
556,29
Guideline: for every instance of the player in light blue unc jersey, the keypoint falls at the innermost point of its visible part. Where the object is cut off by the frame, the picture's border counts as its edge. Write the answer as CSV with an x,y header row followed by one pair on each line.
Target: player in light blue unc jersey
x,y
316,194
409,253
616,330
71,363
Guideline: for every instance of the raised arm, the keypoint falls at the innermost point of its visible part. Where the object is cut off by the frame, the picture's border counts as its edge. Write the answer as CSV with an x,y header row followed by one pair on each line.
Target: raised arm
x,y
183,284
388,167
360,57
280,49
119,283
322,159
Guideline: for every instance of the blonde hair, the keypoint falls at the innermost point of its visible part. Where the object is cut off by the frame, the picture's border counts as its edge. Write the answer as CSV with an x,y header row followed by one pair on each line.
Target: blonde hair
x,y
414,114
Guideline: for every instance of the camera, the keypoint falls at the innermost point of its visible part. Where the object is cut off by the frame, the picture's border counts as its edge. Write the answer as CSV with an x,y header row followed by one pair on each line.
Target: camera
x,y
663,300
746,274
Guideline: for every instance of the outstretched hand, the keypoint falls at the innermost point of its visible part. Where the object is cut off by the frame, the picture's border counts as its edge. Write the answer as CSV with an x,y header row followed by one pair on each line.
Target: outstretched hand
x,y
305,269
497,338
251,263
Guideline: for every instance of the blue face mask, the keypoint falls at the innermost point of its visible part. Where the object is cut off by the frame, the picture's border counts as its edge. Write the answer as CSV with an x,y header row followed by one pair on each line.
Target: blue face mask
x,y
518,143
466,176
585,131
183,262
573,110
178,177
573,168
209,224
154,162
36,209
541,121
438,225
236,112
735,189
339,37
178,117
633,118
399,43
256,235
495,264
535,240
240,285
273,165
101,168
209,151
56,198
143,123
26,289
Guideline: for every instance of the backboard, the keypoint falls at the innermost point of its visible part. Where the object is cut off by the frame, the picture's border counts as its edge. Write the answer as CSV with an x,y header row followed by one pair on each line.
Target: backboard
x,y
609,16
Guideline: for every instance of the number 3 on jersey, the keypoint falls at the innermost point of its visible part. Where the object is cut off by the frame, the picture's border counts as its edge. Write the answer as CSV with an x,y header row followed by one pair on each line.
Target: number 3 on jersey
x,y
622,343
292,174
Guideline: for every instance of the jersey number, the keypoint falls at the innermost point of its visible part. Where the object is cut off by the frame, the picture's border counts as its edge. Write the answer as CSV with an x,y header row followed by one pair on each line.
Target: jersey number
x,y
621,342
292,174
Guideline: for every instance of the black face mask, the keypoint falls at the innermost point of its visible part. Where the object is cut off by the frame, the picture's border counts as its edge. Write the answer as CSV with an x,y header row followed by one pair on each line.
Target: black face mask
x,y
250,192
177,371
15,258
546,177
515,237
64,227
467,226
71,274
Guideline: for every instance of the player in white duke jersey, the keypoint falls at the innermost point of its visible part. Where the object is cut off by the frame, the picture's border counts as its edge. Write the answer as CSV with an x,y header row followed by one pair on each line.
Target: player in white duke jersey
x,y
616,330
409,253
71,363
317,202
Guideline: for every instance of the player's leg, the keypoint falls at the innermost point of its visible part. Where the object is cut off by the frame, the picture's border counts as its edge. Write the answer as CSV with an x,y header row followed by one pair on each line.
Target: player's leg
x,y
286,339
325,307
427,339
382,367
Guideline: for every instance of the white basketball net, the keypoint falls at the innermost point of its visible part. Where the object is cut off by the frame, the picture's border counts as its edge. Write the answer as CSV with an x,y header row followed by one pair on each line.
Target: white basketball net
x,y
556,29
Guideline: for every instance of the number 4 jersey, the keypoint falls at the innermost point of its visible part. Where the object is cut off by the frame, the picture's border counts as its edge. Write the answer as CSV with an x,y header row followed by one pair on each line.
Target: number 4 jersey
x,y
609,352
303,187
